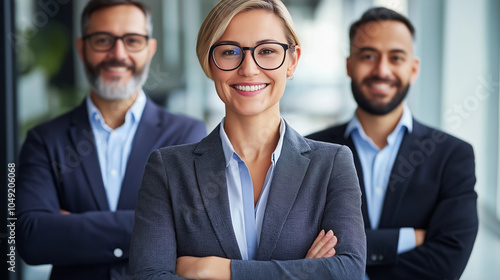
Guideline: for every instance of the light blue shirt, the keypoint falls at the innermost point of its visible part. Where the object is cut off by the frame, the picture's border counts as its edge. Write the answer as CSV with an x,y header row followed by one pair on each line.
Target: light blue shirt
x,y
234,167
377,166
114,145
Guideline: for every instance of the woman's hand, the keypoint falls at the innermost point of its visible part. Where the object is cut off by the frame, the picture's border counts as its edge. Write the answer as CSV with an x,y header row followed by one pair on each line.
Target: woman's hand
x,y
323,246
215,268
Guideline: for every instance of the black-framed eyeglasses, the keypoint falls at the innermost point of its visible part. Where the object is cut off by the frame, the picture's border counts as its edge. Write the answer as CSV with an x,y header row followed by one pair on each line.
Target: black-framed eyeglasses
x,y
268,56
104,41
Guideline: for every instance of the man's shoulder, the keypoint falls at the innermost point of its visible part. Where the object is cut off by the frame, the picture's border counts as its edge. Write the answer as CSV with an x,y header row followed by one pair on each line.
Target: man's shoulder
x,y
153,110
438,136
62,122
333,134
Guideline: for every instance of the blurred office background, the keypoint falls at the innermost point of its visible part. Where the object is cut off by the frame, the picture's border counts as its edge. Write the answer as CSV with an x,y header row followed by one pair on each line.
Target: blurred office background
x,y
457,91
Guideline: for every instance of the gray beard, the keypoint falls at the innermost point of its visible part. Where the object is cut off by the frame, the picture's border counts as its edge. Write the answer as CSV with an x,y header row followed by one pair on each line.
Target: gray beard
x,y
115,90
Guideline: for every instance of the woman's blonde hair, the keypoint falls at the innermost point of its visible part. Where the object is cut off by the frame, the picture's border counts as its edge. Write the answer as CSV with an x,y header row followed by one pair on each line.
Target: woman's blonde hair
x,y
218,19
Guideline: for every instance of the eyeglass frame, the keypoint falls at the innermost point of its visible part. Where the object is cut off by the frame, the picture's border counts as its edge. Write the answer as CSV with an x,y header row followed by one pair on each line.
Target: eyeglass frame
x,y
147,37
286,47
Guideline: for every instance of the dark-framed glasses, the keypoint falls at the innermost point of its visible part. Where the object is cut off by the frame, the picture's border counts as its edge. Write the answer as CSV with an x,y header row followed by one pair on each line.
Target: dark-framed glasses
x,y
268,56
104,41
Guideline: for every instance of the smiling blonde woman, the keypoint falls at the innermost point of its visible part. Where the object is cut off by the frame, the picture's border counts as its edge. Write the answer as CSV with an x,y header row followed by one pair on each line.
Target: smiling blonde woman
x,y
254,199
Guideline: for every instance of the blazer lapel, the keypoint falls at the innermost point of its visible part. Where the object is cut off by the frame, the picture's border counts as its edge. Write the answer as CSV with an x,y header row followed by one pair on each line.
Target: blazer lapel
x,y
83,138
400,178
288,175
145,139
210,171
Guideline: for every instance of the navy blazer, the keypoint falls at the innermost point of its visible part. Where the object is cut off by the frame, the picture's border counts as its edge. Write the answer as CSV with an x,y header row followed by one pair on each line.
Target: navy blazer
x,y
59,169
431,187
183,210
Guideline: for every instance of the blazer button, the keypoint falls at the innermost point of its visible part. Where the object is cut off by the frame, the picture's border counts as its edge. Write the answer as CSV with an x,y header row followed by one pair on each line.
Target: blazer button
x,y
374,257
118,252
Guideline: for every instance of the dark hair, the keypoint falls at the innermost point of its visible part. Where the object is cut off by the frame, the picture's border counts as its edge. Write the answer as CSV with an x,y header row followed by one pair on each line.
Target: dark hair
x,y
379,14
94,5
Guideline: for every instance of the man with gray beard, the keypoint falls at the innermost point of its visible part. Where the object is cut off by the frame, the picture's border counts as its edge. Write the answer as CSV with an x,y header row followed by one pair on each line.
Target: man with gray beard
x,y
79,174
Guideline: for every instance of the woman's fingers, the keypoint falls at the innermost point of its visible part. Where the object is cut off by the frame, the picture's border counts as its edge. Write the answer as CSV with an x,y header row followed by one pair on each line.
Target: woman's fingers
x,y
323,245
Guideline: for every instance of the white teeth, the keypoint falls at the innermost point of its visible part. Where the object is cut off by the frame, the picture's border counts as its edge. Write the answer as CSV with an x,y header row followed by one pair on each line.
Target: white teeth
x,y
117,69
250,88
381,86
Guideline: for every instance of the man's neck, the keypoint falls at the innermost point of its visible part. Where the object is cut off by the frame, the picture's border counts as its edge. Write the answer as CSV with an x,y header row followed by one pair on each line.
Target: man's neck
x,y
113,111
378,128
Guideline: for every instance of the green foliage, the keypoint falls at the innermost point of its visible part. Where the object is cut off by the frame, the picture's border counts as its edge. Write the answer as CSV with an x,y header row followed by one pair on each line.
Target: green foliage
x,y
46,48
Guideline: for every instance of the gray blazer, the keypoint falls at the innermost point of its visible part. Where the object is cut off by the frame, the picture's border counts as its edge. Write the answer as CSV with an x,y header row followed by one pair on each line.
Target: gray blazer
x,y
183,210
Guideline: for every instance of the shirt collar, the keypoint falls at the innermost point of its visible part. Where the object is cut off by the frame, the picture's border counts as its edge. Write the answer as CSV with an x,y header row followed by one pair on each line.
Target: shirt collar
x,y
406,120
228,149
133,114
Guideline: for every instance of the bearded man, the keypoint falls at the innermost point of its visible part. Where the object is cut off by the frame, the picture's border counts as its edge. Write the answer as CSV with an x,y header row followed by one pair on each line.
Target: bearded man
x,y
79,174
418,202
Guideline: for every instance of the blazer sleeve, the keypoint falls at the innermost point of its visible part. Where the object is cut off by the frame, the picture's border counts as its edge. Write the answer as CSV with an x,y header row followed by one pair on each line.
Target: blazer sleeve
x,y
154,248
47,237
451,231
343,213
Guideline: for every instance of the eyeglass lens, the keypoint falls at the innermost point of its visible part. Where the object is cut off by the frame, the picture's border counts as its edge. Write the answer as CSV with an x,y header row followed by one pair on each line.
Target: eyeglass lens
x,y
267,56
105,42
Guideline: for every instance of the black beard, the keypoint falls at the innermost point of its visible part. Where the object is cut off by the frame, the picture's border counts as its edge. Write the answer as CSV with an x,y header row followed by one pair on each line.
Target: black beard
x,y
378,110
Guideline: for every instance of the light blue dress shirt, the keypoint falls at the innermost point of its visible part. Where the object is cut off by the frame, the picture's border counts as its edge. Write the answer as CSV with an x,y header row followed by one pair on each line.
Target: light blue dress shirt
x,y
114,145
377,166
235,168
